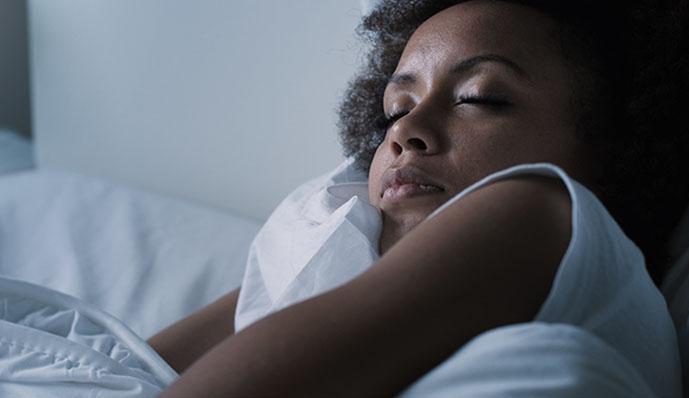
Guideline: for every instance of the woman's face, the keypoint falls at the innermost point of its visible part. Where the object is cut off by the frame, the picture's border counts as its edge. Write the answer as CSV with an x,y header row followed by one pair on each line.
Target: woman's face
x,y
480,86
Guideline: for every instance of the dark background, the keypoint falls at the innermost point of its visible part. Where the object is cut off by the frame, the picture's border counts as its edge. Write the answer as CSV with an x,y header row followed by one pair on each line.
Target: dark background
x,y
15,105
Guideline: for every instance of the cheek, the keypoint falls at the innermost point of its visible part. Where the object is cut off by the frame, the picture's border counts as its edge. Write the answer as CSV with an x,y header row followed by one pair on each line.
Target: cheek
x,y
485,149
378,165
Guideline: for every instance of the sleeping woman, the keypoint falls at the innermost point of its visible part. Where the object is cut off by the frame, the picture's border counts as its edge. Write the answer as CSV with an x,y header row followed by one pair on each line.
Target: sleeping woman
x,y
522,155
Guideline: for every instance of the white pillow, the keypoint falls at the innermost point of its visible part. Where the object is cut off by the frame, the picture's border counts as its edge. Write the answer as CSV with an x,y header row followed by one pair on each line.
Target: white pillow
x,y
146,259
16,152
675,288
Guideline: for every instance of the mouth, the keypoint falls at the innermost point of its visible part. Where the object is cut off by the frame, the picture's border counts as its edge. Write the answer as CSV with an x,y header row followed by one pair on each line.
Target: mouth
x,y
404,191
408,182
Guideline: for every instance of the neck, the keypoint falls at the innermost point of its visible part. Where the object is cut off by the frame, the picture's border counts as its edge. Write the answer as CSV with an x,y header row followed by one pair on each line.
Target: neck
x,y
393,230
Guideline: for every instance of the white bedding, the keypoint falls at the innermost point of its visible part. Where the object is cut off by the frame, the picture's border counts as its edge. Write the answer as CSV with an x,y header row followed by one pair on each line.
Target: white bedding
x,y
54,346
146,259
533,360
150,260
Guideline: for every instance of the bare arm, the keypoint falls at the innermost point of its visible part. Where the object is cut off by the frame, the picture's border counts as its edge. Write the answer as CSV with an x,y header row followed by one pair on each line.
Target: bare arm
x,y
187,340
487,260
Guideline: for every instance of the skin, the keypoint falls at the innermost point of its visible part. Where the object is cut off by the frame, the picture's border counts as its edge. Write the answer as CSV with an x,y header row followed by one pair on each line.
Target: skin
x,y
445,280
188,339
458,143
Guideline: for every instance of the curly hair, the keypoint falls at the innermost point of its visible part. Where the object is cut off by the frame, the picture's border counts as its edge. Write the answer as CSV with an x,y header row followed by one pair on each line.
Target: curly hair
x,y
631,100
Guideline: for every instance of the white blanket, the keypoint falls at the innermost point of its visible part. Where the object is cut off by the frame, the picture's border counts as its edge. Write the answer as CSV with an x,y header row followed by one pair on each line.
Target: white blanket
x,y
53,345
533,360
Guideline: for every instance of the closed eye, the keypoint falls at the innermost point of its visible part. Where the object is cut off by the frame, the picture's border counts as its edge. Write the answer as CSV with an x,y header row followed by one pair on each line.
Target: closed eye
x,y
391,119
491,101
483,100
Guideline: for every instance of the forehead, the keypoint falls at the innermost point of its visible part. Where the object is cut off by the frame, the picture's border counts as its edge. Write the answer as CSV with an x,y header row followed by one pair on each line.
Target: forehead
x,y
477,27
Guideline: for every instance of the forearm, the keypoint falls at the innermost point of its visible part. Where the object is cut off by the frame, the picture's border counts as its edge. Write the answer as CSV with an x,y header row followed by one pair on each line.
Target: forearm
x,y
185,341
356,341
280,356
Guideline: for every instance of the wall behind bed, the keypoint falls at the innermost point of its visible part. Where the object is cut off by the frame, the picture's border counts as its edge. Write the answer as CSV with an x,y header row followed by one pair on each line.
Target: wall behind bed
x,y
15,111
229,103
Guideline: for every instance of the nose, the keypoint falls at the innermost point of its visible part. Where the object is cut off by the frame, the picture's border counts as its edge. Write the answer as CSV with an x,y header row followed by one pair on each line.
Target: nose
x,y
415,132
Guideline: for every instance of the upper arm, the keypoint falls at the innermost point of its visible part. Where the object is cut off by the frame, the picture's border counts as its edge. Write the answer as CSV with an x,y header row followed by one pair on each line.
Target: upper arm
x,y
492,255
485,261
502,243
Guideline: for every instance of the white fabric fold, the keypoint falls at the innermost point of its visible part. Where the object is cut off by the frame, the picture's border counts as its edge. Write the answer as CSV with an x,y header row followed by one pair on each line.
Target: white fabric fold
x,y
53,345
297,252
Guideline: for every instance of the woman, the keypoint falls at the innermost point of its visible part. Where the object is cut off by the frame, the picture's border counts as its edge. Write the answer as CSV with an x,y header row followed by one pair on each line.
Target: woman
x,y
454,92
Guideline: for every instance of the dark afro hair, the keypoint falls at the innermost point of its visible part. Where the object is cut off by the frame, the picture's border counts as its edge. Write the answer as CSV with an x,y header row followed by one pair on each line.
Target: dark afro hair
x,y
632,101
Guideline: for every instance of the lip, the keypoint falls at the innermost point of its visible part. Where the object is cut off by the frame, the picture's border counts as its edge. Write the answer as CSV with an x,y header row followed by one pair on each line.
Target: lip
x,y
406,182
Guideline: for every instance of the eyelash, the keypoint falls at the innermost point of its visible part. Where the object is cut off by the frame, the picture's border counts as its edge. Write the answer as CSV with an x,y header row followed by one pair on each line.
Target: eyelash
x,y
491,101
486,100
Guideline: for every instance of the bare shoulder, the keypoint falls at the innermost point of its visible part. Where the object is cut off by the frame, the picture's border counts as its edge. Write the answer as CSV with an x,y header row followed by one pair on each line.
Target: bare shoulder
x,y
519,196
528,213
502,237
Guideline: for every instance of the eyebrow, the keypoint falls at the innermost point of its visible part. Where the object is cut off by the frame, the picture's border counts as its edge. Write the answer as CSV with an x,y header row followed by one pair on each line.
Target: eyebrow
x,y
464,66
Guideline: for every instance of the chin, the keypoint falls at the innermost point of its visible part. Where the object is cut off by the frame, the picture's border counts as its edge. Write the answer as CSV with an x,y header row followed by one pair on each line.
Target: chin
x,y
397,224
406,218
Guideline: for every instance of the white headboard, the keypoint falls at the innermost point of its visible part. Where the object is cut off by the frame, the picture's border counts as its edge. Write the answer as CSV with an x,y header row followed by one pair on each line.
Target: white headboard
x,y
227,102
